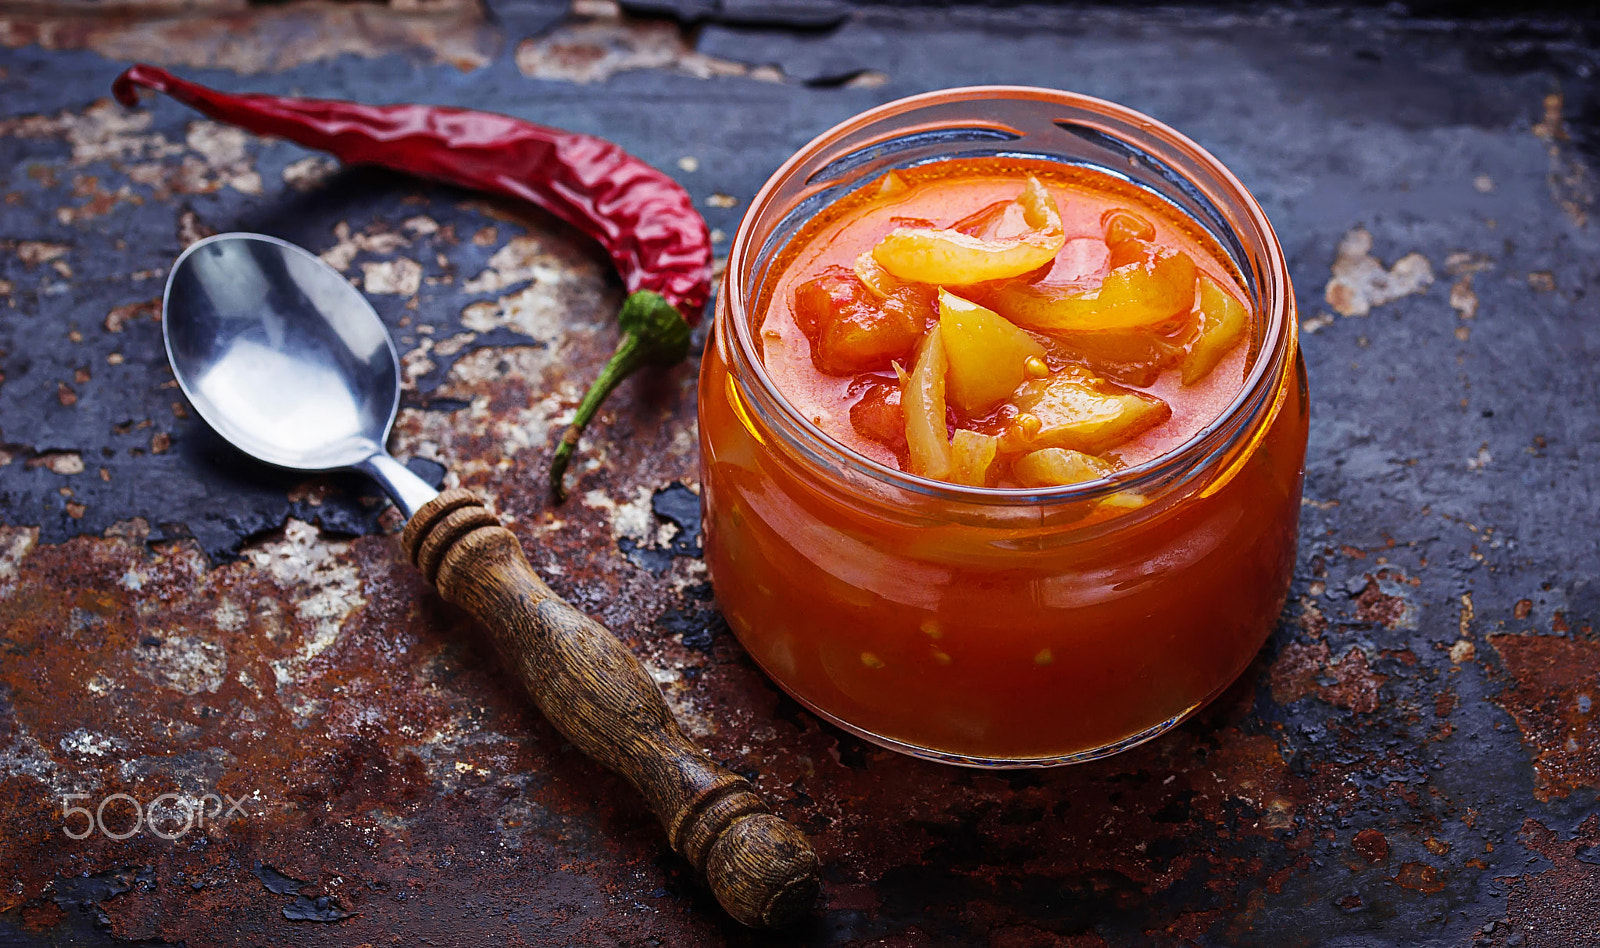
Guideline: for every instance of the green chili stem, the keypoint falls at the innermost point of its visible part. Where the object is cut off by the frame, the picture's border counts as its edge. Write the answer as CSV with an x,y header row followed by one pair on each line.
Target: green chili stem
x,y
653,332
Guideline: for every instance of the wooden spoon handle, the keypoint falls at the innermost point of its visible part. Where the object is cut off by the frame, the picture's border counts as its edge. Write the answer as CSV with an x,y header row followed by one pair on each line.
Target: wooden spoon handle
x,y
762,869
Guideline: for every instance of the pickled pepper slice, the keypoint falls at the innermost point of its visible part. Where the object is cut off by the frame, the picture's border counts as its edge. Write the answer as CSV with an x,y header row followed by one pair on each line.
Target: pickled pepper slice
x,y
922,401
986,354
971,456
1223,323
948,257
1058,467
1137,295
1078,410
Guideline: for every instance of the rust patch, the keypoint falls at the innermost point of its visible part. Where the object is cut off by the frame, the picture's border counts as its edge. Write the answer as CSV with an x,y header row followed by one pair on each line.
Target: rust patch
x,y
1294,675
1420,877
1553,700
318,683
120,316
32,253
1463,298
1251,768
1303,670
211,157
58,462
1355,685
1311,618
1556,907
1371,845
258,38
1386,603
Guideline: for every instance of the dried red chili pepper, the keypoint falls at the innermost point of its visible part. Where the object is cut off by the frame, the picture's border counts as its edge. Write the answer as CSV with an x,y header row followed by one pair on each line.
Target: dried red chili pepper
x,y
643,219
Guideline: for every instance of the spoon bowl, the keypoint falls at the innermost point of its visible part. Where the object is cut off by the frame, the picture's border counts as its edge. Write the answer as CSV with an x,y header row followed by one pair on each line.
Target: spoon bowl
x,y
285,359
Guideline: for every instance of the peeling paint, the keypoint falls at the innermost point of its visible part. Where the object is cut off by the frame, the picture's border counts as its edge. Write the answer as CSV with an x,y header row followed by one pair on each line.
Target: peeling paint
x,y
631,518
222,147
327,591
1571,180
398,277
15,544
1360,282
65,463
375,239
515,397
259,38
594,50
310,172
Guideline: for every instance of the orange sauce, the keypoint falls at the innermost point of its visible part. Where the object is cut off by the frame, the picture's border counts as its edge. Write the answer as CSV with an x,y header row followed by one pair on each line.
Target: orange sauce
x,y
952,190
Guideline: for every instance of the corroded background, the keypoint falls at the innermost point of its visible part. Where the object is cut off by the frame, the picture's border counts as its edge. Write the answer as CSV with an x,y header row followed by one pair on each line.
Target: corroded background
x,y
1414,759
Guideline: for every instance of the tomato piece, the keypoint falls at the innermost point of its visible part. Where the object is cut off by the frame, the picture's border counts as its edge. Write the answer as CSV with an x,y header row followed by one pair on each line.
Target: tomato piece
x,y
877,415
987,355
815,300
851,330
948,257
1223,323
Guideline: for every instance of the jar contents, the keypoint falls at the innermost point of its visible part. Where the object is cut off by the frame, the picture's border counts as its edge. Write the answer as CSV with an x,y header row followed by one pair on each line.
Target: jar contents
x,y
1005,323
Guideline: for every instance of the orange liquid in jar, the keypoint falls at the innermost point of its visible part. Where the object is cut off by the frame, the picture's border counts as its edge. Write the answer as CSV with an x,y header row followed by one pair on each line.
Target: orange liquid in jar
x,y
1048,631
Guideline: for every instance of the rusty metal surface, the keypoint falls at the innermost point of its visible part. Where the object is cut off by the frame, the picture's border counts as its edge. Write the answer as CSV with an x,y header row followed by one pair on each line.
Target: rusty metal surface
x,y
1414,759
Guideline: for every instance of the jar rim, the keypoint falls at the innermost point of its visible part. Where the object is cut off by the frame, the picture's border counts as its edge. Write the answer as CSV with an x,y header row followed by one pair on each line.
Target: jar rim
x,y
1280,329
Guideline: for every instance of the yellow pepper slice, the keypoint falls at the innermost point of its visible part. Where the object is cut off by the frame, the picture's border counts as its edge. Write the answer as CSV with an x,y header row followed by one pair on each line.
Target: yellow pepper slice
x,y
948,257
922,401
987,355
1131,297
1224,320
1081,411
971,456
1056,467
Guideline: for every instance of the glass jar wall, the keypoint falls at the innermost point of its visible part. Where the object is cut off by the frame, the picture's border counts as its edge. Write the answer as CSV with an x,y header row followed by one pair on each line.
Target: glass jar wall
x,y
1001,627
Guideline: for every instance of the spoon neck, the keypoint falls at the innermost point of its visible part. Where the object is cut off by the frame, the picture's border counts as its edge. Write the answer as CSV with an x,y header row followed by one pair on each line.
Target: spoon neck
x,y
408,491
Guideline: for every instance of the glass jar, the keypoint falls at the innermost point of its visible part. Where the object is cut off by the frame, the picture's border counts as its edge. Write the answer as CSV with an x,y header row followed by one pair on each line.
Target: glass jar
x,y
989,627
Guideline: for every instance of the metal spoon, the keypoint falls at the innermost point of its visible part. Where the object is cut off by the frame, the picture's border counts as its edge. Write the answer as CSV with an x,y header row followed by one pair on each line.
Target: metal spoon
x,y
286,360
